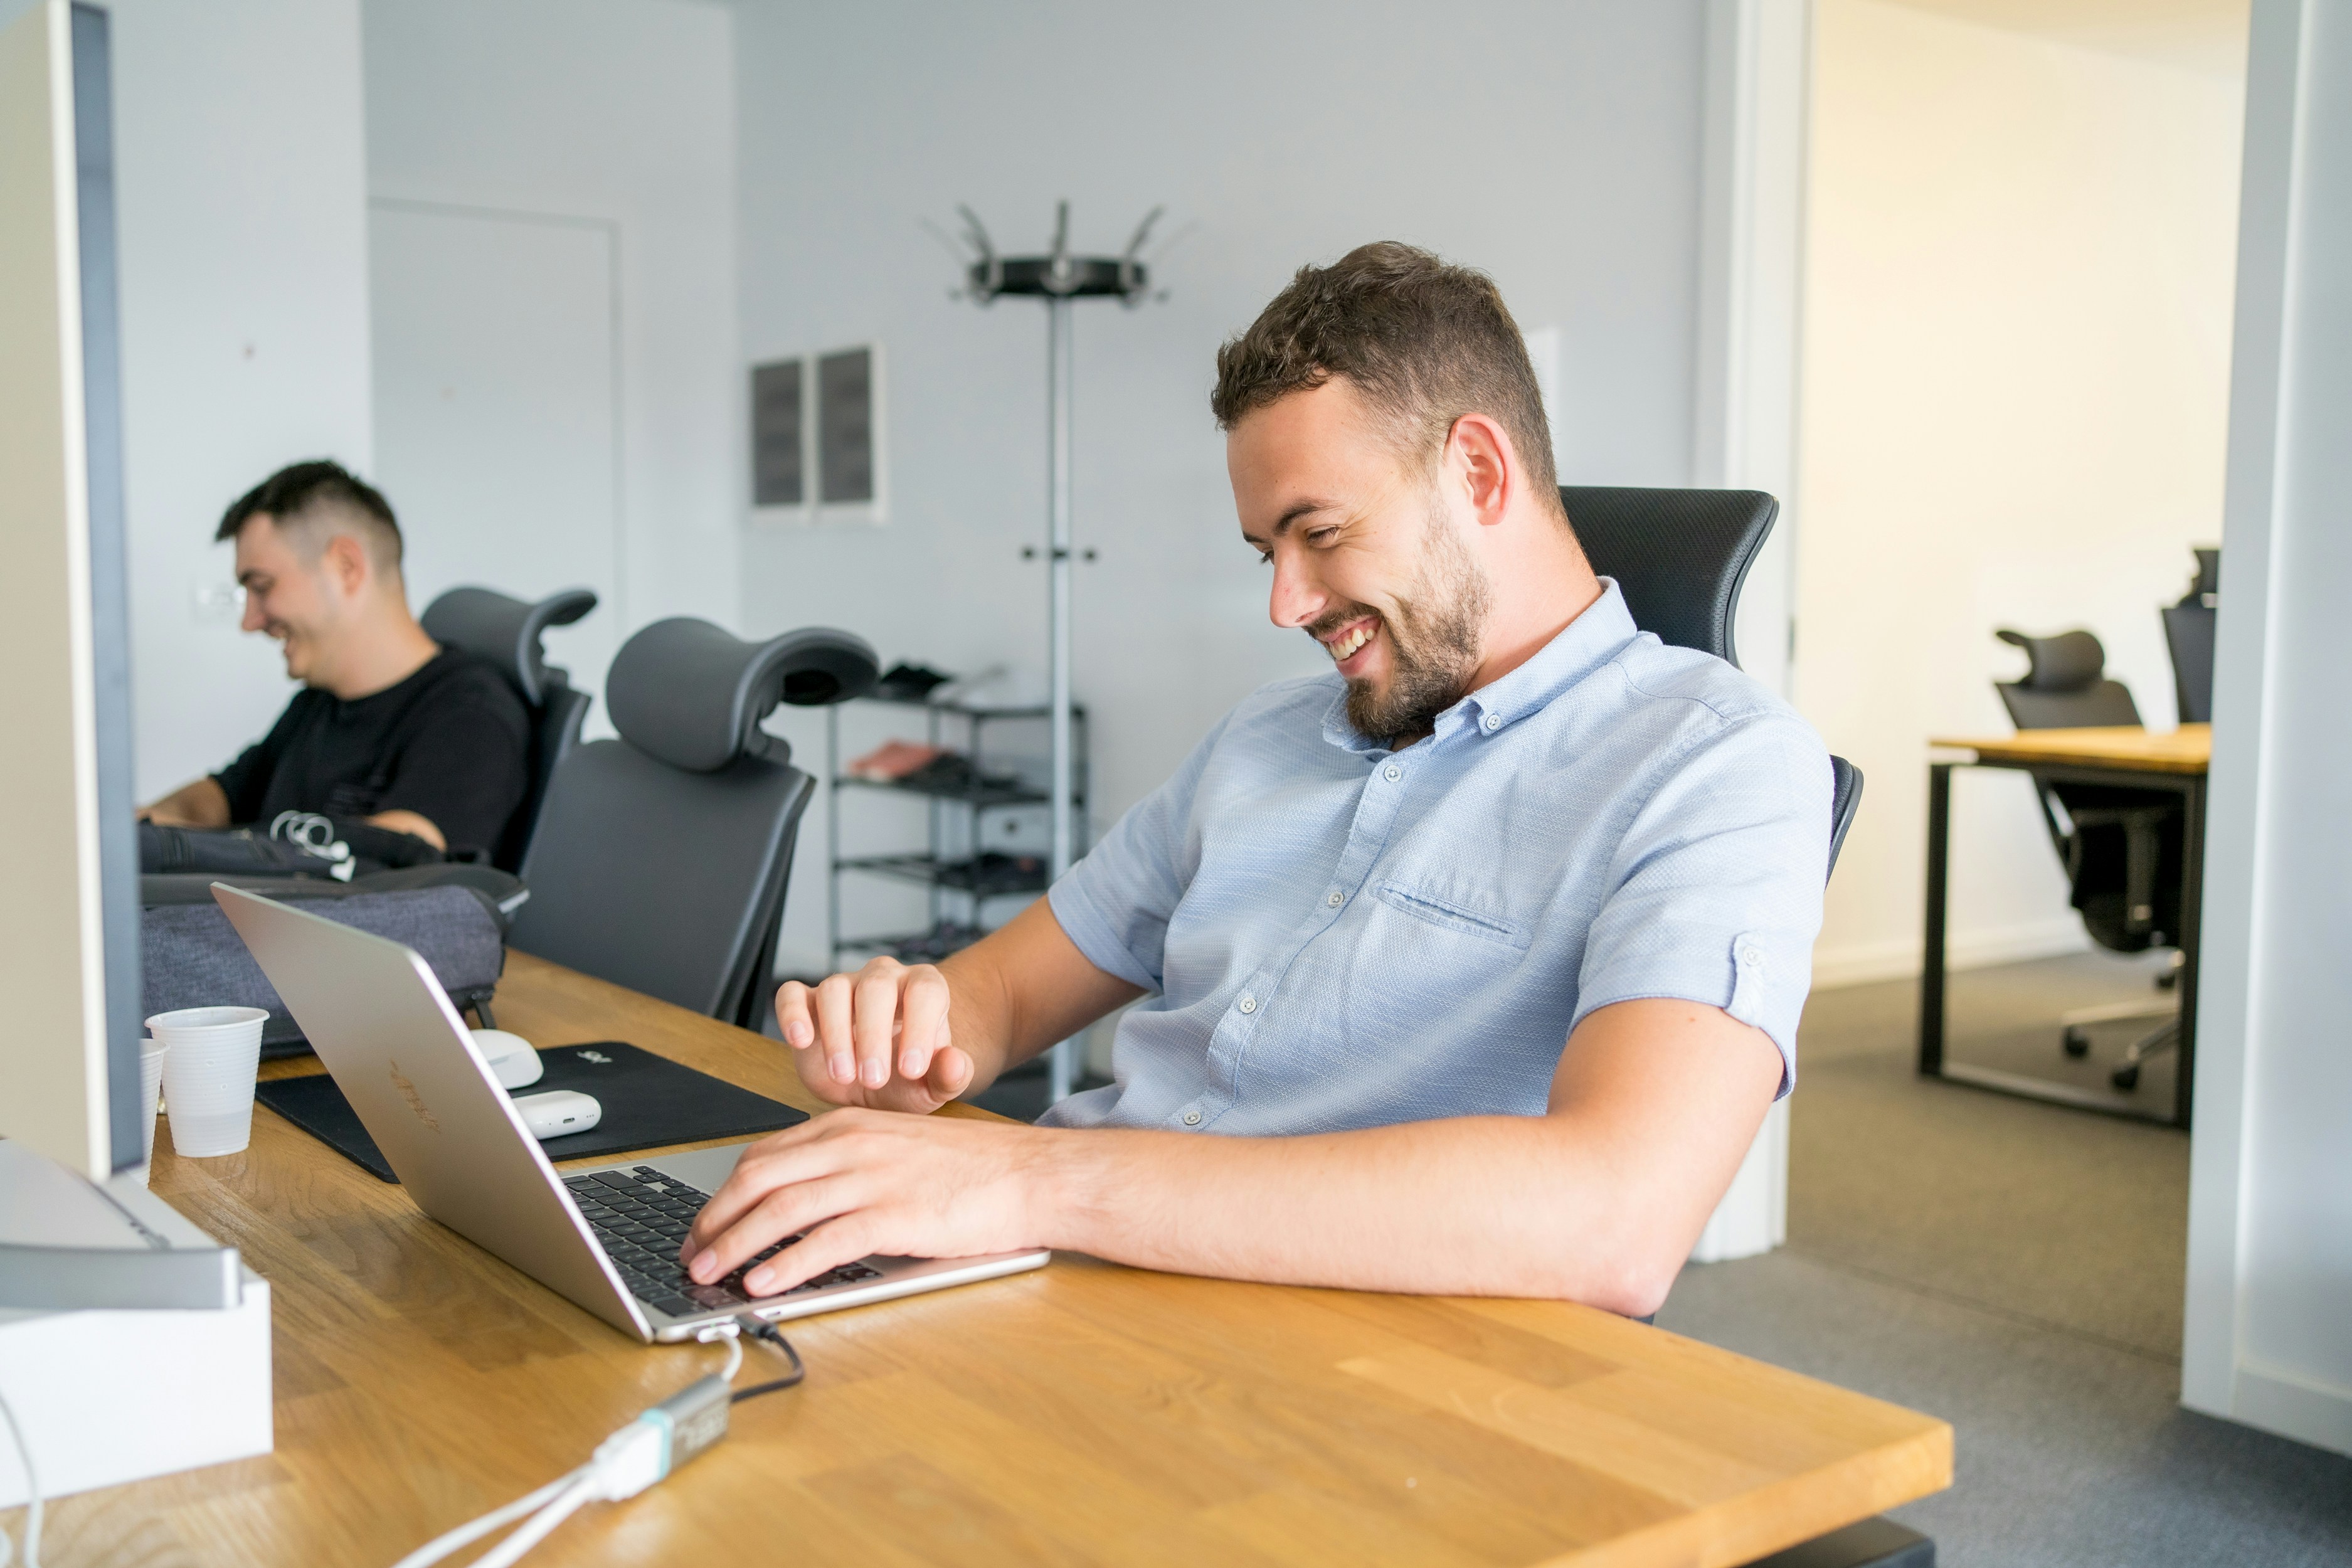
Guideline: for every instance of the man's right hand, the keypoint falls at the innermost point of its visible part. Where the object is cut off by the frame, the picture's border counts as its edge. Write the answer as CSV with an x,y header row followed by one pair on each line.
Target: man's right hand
x,y
880,1037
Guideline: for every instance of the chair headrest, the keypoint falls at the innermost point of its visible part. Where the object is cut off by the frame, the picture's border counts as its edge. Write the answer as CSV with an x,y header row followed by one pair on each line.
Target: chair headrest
x,y
506,632
692,695
2070,661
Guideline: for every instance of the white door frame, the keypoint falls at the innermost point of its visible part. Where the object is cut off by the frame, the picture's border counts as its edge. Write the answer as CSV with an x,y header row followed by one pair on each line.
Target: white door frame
x,y
1751,285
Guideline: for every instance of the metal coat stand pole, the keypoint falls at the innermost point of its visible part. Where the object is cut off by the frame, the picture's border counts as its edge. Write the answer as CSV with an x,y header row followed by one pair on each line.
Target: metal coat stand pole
x,y
1060,280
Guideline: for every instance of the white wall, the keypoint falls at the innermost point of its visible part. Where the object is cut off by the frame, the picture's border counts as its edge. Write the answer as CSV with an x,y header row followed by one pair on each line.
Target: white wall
x,y
620,112
2270,1222
240,179
2016,339
1558,147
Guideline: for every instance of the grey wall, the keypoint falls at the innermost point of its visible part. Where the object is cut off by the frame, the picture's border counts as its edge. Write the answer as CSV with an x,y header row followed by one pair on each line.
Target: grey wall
x,y
1558,147
244,330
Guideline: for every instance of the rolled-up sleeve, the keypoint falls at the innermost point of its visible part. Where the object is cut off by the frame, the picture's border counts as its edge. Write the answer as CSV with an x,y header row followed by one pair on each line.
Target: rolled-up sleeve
x,y
1714,895
1115,904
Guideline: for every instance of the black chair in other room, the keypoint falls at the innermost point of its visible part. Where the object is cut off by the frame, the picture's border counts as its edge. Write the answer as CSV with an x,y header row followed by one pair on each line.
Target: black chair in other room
x,y
2121,846
2188,635
660,858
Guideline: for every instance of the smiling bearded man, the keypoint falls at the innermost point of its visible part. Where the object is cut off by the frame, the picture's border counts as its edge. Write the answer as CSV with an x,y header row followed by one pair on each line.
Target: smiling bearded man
x,y
1481,956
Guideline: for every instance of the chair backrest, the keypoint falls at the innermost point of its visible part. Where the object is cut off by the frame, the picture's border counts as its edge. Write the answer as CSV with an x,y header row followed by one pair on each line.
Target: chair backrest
x,y
2064,686
661,859
1680,557
2189,633
506,632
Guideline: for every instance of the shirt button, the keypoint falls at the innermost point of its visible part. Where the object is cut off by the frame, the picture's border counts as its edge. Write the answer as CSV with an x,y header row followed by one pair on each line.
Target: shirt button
x,y
1393,773
1249,1003
1494,722
1336,899
1191,1119
1750,956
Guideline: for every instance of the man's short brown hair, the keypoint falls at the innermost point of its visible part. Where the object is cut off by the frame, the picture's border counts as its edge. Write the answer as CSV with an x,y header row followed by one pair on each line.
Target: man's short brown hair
x,y
315,501
1423,340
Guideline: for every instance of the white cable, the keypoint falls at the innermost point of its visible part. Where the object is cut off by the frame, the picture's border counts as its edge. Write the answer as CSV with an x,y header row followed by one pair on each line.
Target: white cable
x,y
33,1488
556,1501
466,1534
537,1528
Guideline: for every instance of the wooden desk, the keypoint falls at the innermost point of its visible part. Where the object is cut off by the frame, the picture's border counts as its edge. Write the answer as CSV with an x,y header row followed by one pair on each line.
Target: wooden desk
x,y
1086,1413
2122,755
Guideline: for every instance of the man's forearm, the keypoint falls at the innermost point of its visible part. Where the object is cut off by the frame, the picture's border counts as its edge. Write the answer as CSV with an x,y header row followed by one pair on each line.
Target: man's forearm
x,y
203,803
1020,989
1502,1206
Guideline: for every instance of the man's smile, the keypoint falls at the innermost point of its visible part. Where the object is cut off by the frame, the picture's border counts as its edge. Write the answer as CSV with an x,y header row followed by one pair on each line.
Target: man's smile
x,y
1346,644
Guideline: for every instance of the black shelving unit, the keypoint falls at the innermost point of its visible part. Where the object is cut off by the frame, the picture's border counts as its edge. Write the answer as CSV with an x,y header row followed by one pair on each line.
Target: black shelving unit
x,y
967,891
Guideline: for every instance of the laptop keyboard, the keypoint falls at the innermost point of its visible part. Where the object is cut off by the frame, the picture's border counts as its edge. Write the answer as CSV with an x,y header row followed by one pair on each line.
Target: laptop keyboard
x,y
642,1217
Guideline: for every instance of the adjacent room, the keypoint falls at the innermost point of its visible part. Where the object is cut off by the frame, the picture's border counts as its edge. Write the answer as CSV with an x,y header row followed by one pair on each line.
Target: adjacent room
x,y
673,794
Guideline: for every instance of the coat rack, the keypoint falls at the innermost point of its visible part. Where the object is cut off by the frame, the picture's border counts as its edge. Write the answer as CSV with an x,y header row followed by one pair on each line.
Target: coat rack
x,y
1060,279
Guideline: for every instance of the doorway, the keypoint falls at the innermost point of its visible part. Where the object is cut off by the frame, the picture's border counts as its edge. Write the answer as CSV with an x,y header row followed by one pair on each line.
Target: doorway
x,y
497,378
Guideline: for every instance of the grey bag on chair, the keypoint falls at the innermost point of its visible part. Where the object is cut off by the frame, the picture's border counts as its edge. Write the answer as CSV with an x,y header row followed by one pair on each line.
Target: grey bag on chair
x,y
191,956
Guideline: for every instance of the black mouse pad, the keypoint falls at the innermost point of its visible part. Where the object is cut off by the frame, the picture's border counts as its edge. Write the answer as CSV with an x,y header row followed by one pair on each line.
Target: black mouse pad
x,y
650,1103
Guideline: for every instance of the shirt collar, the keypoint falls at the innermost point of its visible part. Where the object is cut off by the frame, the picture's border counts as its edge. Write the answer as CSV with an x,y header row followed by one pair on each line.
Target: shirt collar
x,y
1584,646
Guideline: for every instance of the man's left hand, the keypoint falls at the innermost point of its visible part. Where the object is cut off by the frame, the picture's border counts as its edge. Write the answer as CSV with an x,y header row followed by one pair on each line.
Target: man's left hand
x,y
856,1182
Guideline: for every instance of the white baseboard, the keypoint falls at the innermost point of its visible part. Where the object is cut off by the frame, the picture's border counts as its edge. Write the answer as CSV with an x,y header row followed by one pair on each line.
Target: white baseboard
x,y
1753,1217
1861,963
2294,1406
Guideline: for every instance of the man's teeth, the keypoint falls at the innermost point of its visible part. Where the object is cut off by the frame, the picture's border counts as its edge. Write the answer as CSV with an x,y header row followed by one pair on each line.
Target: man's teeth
x,y
1347,645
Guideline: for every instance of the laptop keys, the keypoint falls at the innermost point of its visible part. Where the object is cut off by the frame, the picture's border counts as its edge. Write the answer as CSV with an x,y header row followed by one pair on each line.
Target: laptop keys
x,y
642,1218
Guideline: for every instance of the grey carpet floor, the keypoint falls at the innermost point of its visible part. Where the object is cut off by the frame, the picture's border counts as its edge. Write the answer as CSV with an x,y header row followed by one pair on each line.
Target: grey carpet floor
x,y
2015,1269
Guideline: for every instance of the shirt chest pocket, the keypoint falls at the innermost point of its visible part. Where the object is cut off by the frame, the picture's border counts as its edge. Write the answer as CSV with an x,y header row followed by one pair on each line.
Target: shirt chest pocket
x,y
1450,914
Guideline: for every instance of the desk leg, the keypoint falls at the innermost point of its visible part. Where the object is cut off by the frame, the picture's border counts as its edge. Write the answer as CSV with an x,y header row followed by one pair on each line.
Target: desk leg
x,y
1931,969
2192,921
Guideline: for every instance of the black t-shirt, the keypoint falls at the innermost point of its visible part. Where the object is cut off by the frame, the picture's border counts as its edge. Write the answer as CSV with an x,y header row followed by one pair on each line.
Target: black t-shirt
x,y
452,743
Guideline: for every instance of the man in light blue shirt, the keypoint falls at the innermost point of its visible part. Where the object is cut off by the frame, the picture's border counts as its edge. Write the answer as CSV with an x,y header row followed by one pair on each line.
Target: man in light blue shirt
x,y
1484,953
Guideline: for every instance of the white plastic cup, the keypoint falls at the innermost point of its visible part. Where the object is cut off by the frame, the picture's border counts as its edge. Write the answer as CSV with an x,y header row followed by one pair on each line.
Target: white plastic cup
x,y
211,1057
151,1053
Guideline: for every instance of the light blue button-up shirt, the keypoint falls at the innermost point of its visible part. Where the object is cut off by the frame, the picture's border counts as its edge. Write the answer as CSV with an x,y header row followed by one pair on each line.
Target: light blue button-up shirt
x,y
1338,935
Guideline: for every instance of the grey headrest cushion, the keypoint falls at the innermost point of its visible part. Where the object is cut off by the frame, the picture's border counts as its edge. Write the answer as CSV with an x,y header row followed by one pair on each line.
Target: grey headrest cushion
x,y
505,631
692,694
2068,662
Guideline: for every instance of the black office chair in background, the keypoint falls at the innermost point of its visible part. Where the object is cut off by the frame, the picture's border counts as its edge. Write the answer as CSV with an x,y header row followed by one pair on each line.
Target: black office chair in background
x,y
2188,635
2121,848
1680,558
505,631
660,858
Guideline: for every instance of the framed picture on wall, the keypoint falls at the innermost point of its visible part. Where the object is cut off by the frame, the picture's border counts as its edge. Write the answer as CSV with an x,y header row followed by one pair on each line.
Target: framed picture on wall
x,y
817,448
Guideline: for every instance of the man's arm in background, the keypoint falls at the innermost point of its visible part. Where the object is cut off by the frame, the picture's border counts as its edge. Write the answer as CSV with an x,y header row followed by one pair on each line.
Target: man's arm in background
x,y
203,803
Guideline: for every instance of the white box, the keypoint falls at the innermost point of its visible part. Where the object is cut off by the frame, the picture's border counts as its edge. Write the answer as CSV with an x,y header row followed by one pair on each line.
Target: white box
x,y
113,1396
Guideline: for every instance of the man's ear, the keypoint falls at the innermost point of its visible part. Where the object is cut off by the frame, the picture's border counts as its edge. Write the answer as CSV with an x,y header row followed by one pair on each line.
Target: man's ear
x,y
1479,457
345,562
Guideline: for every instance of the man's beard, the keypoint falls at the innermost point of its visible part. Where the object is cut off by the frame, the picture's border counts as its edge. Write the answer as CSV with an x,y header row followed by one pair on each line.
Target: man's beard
x,y
1434,641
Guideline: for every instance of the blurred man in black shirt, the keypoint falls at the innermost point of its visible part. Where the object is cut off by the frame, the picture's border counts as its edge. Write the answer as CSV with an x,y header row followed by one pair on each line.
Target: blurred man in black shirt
x,y
392,730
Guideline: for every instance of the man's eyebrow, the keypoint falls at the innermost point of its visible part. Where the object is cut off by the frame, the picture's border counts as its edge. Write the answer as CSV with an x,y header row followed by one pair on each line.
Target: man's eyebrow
x,y
1296,510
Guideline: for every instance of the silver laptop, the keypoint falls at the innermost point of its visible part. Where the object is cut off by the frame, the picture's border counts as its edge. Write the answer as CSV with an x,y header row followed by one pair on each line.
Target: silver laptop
x,y
606,1239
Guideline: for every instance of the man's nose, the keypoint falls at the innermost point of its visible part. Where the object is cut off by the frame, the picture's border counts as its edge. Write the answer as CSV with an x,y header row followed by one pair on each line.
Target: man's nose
x,y
1296,599
254,620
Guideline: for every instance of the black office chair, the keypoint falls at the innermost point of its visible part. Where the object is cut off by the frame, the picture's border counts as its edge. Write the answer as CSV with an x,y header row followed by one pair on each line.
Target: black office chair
x,y
661,857
2188,635
1680,558
2121,848
506,632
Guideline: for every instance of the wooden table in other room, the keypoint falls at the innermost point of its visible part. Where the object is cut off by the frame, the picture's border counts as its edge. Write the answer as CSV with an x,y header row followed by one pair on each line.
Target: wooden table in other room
x,y
2121,756
1084,1413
